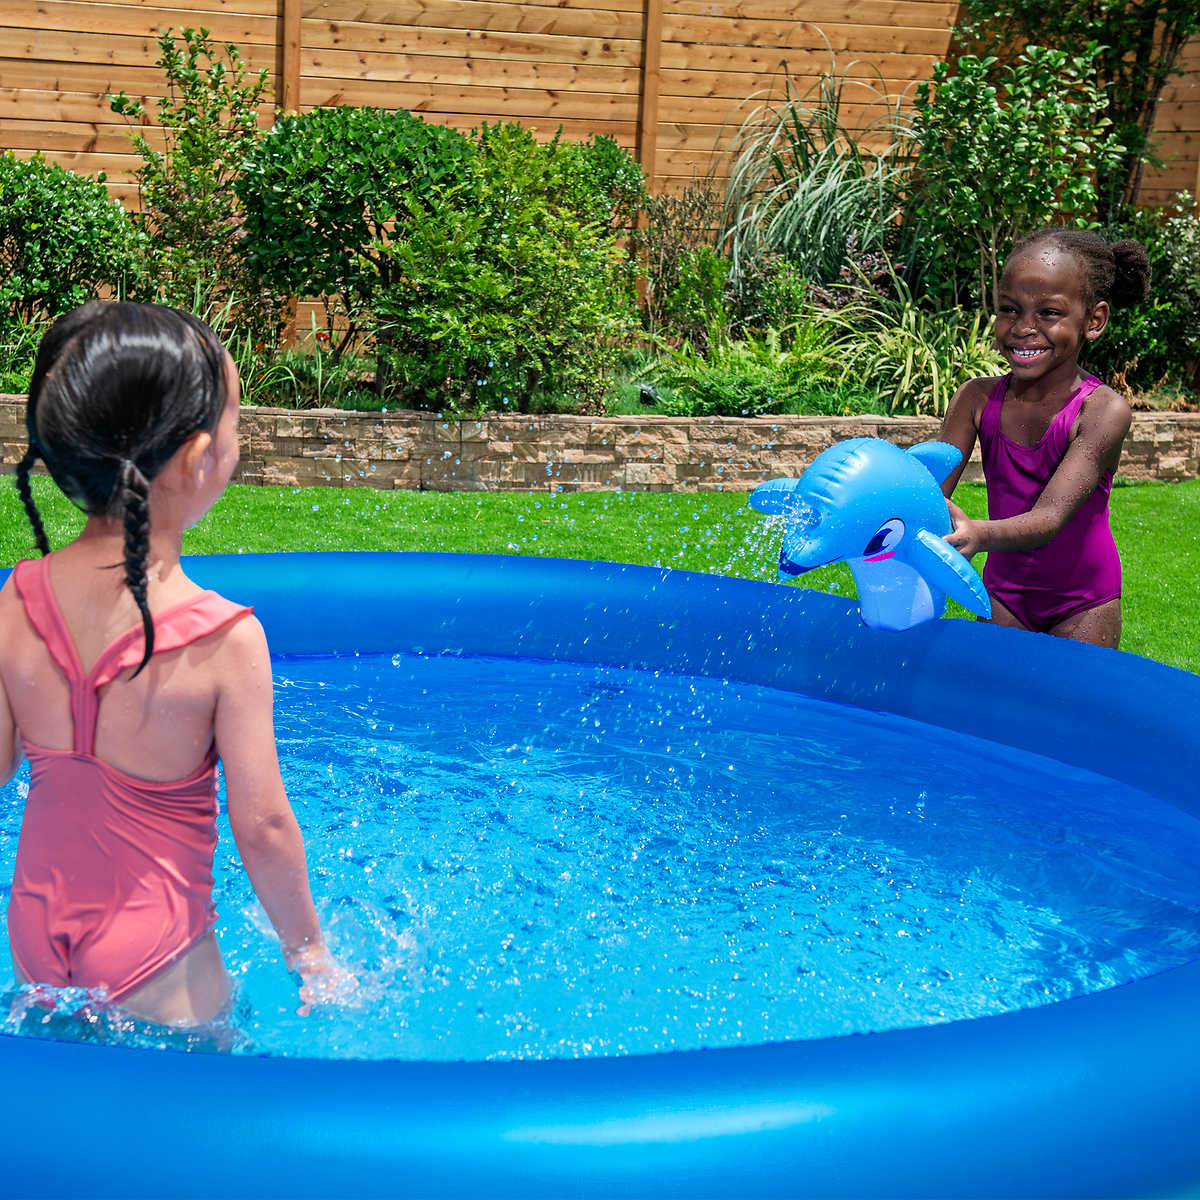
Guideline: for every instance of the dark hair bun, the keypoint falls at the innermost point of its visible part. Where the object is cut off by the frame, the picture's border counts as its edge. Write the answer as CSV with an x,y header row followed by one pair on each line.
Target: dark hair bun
x,y
1131,284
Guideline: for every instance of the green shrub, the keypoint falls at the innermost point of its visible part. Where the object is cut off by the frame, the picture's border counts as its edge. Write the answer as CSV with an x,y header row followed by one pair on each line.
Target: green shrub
x,y
1157,341
695,307
1140,47
753,375
19,341
500,295
916,358
62,241
677,227
604,183
324,191
190,210
769,292
991,162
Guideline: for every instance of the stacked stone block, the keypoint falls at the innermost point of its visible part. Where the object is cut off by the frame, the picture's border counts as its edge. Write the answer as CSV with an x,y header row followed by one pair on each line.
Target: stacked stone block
x,y
510,452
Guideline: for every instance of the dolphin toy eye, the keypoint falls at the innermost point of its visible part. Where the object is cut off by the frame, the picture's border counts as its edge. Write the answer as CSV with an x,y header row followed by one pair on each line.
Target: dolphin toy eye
x,y
885,540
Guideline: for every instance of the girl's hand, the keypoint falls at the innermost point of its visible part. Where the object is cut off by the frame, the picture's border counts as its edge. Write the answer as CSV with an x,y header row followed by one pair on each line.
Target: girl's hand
x,y
967,535
323,980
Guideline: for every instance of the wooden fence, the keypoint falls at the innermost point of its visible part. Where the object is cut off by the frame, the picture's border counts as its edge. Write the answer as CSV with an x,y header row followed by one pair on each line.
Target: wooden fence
x,y
666,78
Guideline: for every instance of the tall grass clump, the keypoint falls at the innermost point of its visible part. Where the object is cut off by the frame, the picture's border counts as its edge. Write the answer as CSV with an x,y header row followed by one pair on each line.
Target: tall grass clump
x,y
803,186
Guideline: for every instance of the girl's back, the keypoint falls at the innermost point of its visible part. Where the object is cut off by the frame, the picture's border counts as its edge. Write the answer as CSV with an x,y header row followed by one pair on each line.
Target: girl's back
x,y
157,725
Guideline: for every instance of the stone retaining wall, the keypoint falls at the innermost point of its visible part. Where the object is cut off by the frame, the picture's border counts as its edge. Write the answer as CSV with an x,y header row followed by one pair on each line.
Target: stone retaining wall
x,y
327,447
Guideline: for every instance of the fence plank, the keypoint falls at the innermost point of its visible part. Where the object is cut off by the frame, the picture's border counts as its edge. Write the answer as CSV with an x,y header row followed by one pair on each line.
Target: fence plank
x,y
855,40
61,47
649,87
884,13
70,16
478,15
366,68
473,43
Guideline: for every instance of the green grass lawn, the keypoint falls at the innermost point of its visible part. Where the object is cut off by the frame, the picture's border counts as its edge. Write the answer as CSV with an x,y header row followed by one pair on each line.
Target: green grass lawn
x,y
1155,526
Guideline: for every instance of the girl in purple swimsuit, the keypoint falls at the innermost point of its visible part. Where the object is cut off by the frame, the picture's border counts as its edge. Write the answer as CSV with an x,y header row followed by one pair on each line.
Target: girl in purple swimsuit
x,y
1050,436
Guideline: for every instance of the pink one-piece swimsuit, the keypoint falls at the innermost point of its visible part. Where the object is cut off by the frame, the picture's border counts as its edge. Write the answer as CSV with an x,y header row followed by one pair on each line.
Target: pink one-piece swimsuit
x,y
113,878
1078,568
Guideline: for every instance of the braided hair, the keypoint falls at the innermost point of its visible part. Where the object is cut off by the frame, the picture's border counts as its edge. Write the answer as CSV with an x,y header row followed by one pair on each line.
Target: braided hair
x,y
117,388
1115,272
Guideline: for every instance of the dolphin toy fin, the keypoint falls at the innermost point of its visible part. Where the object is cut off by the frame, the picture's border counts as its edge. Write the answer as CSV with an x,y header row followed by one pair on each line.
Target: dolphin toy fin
x,y
948,571
938,458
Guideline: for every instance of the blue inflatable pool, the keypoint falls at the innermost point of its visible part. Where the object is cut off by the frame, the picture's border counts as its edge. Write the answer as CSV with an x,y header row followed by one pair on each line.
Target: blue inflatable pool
x,y
1093,1096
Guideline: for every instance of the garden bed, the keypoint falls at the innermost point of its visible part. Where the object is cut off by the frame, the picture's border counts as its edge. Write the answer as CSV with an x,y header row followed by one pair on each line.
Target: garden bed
x,y
511,452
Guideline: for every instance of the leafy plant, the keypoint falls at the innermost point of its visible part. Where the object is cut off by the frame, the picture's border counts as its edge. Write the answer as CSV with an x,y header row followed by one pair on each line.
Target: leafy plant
x,y
695,306
500,295
605,184
916,358
1157,343
803,186
19,341
190,210
1139,43
62,241
769,293
676,226
993,160
326,191
750,376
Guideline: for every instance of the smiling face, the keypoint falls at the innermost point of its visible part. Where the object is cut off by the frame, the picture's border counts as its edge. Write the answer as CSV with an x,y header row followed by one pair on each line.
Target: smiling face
x,y
1045,319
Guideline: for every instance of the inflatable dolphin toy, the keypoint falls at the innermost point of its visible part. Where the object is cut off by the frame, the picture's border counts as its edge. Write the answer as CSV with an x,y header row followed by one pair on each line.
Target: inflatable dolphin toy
x,y
880,510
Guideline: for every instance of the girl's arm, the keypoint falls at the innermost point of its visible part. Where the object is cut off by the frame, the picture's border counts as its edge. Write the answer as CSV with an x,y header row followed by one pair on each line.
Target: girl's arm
x,y
960,426
10,739
1093,452
264,827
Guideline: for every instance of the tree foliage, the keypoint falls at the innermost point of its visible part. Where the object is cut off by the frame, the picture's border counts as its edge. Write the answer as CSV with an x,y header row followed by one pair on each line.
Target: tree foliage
x,y
190,210
1138,47
999,149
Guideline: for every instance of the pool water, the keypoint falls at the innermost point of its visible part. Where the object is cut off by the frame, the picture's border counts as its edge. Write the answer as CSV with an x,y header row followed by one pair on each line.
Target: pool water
x,y
530,860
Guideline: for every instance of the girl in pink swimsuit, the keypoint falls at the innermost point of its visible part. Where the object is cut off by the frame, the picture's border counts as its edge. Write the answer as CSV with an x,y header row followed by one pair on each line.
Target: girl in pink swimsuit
x,y
1050,437
123,683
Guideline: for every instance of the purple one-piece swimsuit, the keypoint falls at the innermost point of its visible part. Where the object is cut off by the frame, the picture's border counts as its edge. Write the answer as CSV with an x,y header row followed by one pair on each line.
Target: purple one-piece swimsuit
x,y
1078,568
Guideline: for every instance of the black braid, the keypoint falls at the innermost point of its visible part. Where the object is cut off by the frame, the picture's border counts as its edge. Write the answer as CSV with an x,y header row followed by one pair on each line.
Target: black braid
x,y
133,503
26,494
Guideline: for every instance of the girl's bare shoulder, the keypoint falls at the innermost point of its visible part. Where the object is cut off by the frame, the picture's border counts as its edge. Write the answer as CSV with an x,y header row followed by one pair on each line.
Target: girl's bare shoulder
x,y
240,645
972,396
1106,407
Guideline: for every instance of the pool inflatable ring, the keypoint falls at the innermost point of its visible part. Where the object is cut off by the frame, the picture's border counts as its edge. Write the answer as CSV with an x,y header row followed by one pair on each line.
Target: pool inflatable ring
x,y
880,510
1095,1096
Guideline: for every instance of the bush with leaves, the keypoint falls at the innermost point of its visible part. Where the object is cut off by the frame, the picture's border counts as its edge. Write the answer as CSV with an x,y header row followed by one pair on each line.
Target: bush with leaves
x,y
758,374
500,294
675,228
694,310
1139,45
190,210
63,240
604,183
1158,341
915,357
992,161
325,191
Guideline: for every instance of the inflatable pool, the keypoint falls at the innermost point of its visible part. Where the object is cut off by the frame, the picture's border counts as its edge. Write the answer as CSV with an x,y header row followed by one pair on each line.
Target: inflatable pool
x,y
1098,1095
